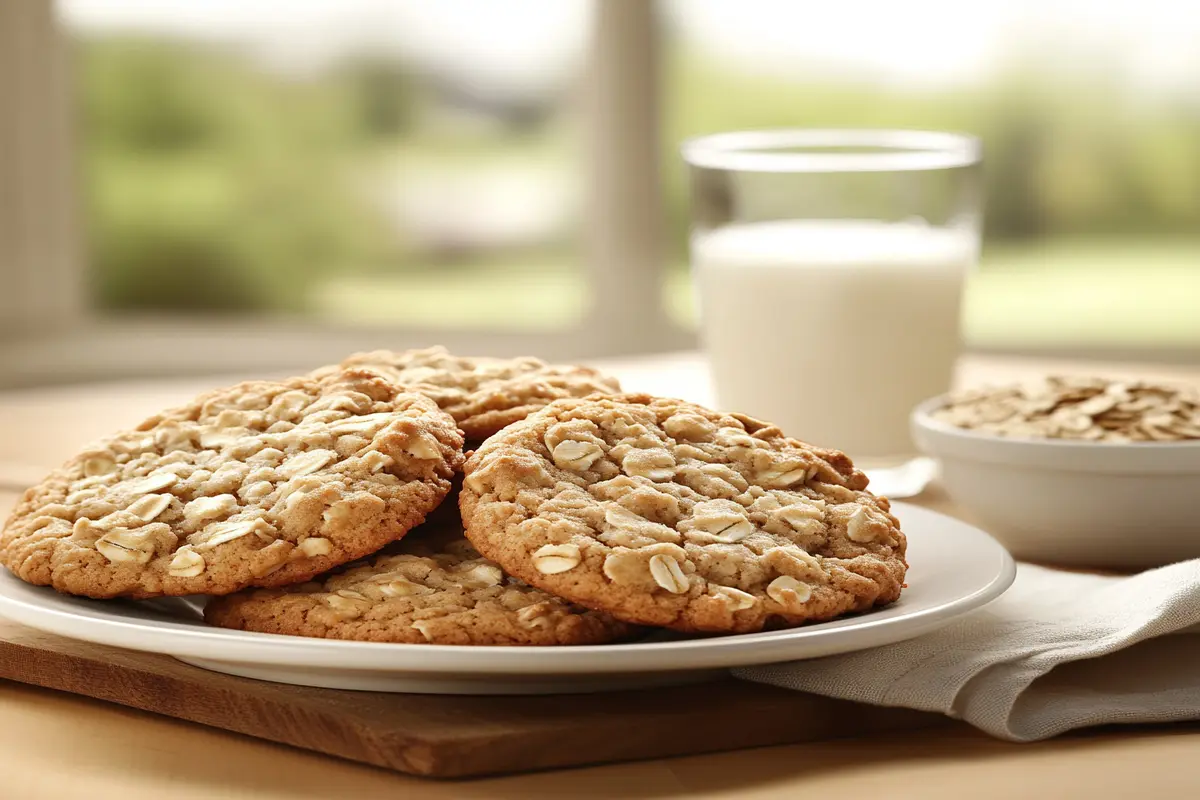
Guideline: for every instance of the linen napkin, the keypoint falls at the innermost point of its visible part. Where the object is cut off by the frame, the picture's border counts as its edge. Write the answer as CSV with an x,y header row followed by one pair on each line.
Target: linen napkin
x,y
1057,651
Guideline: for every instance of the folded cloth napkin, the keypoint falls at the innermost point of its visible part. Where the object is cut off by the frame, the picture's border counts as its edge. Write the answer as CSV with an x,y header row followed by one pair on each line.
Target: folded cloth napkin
x,y
1057,651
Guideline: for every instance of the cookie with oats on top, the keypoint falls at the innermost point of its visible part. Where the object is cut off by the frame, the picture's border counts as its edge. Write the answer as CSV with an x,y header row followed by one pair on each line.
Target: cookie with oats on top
x,y
259,484
483,394
661,512
432,587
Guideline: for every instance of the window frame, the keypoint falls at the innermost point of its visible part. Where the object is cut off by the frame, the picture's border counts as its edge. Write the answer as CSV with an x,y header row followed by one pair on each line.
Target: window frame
x,y
49,334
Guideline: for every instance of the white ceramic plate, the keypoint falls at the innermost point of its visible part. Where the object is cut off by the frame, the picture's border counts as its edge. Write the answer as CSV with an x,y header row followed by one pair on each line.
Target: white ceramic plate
x,y
955,569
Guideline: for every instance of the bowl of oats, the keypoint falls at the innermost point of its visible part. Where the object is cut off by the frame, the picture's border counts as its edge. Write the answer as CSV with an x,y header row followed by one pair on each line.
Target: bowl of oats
x,y
1074,471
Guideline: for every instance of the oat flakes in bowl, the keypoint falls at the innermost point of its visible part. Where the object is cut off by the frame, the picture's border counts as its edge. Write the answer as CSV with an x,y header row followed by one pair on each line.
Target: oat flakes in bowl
x,y
1086,472
1090,409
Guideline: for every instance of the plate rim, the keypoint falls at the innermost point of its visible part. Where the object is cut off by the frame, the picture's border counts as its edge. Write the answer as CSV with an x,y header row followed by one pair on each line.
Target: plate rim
x,y
246,647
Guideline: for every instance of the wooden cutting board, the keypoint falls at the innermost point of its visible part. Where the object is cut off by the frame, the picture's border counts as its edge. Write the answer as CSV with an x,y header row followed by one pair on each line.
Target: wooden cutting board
x,y
448,736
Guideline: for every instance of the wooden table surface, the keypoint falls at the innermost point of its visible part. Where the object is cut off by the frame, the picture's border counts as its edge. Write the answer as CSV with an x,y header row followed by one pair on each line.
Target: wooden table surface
x,y
62,746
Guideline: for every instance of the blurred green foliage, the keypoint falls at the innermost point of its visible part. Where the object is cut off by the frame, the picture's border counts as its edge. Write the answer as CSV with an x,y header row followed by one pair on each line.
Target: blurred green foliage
x,y
1065,155
211,185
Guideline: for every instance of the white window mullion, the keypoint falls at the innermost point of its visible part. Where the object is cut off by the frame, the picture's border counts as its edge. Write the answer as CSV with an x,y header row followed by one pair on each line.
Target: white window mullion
x,y
625,216
39,244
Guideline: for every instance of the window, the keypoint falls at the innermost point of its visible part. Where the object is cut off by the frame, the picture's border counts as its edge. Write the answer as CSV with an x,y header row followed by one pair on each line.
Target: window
x,y
226,185
353,162
273,184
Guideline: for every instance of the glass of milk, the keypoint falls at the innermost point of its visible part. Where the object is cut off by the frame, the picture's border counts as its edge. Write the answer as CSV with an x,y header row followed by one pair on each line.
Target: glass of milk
x,y
829,266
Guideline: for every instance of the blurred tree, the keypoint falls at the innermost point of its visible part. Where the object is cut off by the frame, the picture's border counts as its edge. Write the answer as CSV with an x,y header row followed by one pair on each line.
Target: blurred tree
x,y
212,186
1016,128
143,96
384,97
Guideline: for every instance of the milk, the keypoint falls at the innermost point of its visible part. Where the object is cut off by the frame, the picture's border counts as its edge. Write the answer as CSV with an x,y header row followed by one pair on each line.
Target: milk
x,y
832,329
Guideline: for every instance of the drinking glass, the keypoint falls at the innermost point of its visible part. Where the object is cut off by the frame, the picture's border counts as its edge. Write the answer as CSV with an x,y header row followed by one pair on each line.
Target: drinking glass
x,y
829,267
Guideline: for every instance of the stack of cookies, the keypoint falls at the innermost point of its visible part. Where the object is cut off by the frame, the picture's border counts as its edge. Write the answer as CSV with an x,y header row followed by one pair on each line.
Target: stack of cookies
x,y
420,497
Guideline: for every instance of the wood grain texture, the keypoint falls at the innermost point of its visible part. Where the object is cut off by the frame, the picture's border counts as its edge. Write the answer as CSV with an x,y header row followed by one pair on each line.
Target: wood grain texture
x,y
447,736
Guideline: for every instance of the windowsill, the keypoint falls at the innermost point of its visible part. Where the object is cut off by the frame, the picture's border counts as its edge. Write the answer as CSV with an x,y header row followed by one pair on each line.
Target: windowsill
x,y
107,349
116,349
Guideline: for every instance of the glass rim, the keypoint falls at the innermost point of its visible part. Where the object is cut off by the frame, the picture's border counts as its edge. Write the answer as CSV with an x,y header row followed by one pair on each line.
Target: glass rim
x,y
782,150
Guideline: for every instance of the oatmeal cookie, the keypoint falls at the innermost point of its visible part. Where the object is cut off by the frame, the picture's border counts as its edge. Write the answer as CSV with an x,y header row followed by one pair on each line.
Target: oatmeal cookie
x,y
261,484
665,513
432,587
482,394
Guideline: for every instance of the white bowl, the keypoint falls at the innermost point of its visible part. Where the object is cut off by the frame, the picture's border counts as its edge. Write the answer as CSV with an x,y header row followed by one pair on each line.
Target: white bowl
x,y
1093,504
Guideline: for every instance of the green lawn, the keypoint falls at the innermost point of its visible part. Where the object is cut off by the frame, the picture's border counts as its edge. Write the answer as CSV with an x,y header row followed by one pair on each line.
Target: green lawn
x,y
1088,293
1057,294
